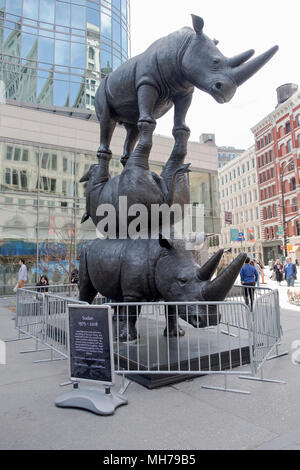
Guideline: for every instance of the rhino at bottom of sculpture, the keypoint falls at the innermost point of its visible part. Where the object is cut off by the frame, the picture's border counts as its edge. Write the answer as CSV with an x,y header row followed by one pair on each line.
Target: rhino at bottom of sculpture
x,y
154,270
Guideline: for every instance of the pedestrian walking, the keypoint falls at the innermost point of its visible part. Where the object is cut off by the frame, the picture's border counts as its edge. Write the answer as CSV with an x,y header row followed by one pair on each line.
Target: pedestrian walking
x,y
249,277
278,270
290,272
259,270
22,274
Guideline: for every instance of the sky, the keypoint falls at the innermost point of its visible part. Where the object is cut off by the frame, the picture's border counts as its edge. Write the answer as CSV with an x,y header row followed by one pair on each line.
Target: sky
x,y
239,25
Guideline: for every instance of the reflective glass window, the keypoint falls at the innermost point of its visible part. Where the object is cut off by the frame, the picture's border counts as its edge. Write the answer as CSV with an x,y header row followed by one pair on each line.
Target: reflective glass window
x,y
77,55
116,4
62,52
31,9
45,50
62,14
117,62
45,90
93,17
106,61
61,92
28,43
47,11
124,41
105,25
116,32
124,8
76,95
78,17
14,6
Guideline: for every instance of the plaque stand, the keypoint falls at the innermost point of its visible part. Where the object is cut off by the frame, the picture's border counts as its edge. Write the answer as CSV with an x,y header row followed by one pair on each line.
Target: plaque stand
x,y
99,401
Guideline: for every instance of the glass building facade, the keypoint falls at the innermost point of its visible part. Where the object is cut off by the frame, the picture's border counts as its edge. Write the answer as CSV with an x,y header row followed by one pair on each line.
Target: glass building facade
x,y
55,52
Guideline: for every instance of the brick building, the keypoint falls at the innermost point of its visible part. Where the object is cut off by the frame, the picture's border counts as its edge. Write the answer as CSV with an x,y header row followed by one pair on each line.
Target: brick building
x,y
277,148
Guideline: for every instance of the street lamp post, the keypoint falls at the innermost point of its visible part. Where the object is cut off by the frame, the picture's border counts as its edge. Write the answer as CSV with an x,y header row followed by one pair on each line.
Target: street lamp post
x,y
283,206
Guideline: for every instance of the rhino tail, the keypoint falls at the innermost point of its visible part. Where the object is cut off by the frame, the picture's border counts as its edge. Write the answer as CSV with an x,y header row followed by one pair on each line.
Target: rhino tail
x,y
84,217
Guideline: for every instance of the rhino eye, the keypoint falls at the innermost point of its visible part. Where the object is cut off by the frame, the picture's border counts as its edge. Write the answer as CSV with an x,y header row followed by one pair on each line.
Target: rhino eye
x,y
216,61
182,280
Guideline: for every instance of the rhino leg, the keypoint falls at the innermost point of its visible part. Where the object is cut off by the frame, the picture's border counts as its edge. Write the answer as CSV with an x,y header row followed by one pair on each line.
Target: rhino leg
x,y
181,106
87,292
132,136
127,320
177,157
107,127
147,98
172,329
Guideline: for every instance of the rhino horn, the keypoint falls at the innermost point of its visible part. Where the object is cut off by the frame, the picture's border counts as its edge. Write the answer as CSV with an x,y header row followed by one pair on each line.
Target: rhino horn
x,y
241,58
245,71
85,177
207,270
221,285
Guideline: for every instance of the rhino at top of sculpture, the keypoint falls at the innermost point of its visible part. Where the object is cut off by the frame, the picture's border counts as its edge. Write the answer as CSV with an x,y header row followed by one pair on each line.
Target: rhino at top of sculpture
x,y
152,270
148,85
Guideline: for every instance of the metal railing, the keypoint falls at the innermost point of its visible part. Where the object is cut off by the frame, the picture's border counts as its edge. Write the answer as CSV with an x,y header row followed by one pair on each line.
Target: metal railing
x,y
148,337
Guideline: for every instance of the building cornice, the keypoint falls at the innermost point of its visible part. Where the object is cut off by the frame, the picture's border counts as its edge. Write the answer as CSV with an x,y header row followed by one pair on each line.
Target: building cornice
x,y
278,112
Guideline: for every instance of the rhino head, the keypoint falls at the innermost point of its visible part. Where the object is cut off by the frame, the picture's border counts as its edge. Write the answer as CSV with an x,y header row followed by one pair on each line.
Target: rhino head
x,y
209,70
179,278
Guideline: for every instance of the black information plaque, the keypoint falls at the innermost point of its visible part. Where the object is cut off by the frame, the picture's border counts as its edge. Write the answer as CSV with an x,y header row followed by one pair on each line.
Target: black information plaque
x,y
90,343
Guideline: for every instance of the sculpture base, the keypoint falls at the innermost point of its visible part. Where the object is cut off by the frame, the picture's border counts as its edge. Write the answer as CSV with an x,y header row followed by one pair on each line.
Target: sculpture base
x,y
197,350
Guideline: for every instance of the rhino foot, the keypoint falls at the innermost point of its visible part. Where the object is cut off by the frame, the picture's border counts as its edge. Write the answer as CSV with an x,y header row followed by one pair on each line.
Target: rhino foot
x,y
129,334
173,332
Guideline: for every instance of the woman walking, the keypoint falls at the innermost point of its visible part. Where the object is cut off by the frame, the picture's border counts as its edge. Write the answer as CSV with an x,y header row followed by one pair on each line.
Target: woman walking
x,y
278,270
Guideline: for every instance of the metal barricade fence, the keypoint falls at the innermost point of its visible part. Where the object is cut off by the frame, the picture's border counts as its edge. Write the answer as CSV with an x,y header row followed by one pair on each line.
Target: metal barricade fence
x,y
55,322
201,350
266,327
219,336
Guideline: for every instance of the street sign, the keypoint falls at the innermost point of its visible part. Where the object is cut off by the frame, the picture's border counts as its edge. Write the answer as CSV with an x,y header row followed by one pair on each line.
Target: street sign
x,y
280,230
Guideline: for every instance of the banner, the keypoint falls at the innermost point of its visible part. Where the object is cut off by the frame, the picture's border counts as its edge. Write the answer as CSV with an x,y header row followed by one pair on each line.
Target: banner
x,y
234,234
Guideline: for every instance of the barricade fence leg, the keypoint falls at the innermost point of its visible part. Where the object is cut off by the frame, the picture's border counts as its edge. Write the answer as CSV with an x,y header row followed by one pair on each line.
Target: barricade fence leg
x,y
262,379
225,388
277,354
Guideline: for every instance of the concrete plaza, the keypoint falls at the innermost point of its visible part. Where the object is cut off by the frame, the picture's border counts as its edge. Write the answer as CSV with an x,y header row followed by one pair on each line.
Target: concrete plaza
x,y
182,416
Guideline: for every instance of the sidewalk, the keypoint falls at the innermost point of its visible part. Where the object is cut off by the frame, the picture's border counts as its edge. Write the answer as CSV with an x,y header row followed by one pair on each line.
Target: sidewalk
x,y
182,416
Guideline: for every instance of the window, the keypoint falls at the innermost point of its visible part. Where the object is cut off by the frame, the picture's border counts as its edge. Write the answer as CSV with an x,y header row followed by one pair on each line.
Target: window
x,y
298,120
25,155
65,165
289,146
293,184
54,162
287,127
45,160
7,175
15,178
91,53
17,155
9,151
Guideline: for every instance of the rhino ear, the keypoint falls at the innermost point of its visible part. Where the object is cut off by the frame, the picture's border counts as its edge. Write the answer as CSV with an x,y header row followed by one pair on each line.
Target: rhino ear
x,y
198,24
165,242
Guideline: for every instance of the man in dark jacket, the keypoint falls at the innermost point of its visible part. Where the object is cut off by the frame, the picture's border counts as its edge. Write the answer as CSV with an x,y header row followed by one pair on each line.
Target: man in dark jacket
x,y
249,277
